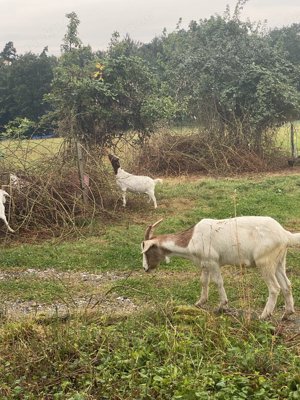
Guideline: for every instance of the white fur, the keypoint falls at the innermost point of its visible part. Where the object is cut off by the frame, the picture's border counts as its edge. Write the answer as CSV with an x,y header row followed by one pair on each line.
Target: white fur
x,y
248,241
17,182
3,195
136,184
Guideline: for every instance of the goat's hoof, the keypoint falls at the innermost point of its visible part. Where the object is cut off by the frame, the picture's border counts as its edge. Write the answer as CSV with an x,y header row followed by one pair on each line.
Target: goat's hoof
x,y
286,315
200,303
264,317
221,310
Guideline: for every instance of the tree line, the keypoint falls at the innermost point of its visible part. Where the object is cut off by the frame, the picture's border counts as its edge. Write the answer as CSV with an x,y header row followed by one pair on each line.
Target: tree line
x,y
235,80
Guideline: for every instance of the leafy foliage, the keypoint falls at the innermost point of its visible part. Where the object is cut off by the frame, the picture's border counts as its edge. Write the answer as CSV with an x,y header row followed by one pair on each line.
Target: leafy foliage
x,y
233,78
96,99
19,128
8,54
234,82
168,349
23,83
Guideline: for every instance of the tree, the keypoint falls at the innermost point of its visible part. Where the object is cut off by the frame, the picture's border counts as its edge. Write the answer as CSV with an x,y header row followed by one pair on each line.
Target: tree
x,y
287,39
71,39
19,128
230,78
8,54
23,85
96,100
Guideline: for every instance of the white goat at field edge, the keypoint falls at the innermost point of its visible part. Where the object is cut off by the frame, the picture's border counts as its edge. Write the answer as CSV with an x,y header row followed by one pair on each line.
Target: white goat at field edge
x,y
133,183
210,244
3,195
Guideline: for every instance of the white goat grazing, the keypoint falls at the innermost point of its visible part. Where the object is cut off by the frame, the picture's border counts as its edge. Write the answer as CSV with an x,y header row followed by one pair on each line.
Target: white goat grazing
x,y
210,244
3,195
133,183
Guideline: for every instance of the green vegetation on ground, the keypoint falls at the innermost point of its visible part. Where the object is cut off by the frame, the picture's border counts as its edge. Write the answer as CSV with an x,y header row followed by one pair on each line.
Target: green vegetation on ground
x,y
163,347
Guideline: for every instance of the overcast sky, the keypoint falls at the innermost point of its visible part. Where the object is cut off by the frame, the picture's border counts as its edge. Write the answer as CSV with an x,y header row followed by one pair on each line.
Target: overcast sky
x,y
33,24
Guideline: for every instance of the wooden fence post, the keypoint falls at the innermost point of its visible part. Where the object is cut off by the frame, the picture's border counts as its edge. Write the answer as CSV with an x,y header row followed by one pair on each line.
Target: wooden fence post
x,y
82,176
293,147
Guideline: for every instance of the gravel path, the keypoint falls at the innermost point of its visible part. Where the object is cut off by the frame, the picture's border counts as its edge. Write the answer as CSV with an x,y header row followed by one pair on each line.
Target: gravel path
x,y
104,300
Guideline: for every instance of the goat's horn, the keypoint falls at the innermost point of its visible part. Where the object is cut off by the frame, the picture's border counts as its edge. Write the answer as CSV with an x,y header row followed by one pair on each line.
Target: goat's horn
x,y
149,230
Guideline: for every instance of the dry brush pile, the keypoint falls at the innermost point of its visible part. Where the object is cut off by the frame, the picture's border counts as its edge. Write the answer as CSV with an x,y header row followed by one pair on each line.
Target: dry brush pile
x,y
50,200
48,197
174,154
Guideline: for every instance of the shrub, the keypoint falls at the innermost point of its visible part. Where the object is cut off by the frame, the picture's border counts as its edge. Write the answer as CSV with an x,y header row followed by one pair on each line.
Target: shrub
x,y
173,154
49,199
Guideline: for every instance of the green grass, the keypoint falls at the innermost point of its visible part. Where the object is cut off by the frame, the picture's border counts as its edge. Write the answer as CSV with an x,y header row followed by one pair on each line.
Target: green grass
x,y
284,133
24,153
171,353
164,348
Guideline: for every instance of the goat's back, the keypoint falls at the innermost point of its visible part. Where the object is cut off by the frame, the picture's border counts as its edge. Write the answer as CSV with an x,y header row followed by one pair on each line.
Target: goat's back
x,y
241,240
134,183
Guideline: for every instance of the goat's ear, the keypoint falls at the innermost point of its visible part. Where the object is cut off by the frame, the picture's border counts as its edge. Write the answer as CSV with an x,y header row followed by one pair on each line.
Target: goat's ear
x,y
146,244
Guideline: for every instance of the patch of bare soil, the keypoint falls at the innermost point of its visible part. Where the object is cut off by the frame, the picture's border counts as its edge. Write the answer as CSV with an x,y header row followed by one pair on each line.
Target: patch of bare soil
x,y
173,205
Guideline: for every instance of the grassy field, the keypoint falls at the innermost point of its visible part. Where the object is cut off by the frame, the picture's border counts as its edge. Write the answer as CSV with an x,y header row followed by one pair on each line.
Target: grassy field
x,y
80,319
284,136
24,153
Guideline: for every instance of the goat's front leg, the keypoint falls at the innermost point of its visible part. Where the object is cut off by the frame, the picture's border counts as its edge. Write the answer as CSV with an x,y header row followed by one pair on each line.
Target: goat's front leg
x,y
3,217
205,278
6,223
124,198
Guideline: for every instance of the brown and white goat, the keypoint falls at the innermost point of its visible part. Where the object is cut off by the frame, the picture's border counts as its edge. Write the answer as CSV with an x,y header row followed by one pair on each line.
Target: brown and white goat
x,y
211,244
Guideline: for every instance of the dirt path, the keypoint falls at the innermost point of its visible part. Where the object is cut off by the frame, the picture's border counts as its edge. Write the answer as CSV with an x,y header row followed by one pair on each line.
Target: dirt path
x,y
99,294
98,287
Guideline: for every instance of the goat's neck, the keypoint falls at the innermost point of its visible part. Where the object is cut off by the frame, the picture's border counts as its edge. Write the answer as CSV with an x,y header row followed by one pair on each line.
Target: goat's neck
x,y
173,247
122,174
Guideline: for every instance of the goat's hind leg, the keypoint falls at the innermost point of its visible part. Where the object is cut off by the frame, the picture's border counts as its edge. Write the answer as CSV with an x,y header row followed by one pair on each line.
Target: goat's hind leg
x,y
218,280
268,273
205,278
152,197
286,287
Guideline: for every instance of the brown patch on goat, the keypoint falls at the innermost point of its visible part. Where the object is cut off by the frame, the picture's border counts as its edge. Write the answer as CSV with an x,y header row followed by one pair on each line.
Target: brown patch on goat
x,y
155,255
181,239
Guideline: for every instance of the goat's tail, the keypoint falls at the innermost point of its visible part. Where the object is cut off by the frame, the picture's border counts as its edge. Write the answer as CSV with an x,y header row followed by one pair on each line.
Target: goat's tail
x,y
294,239
158,180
